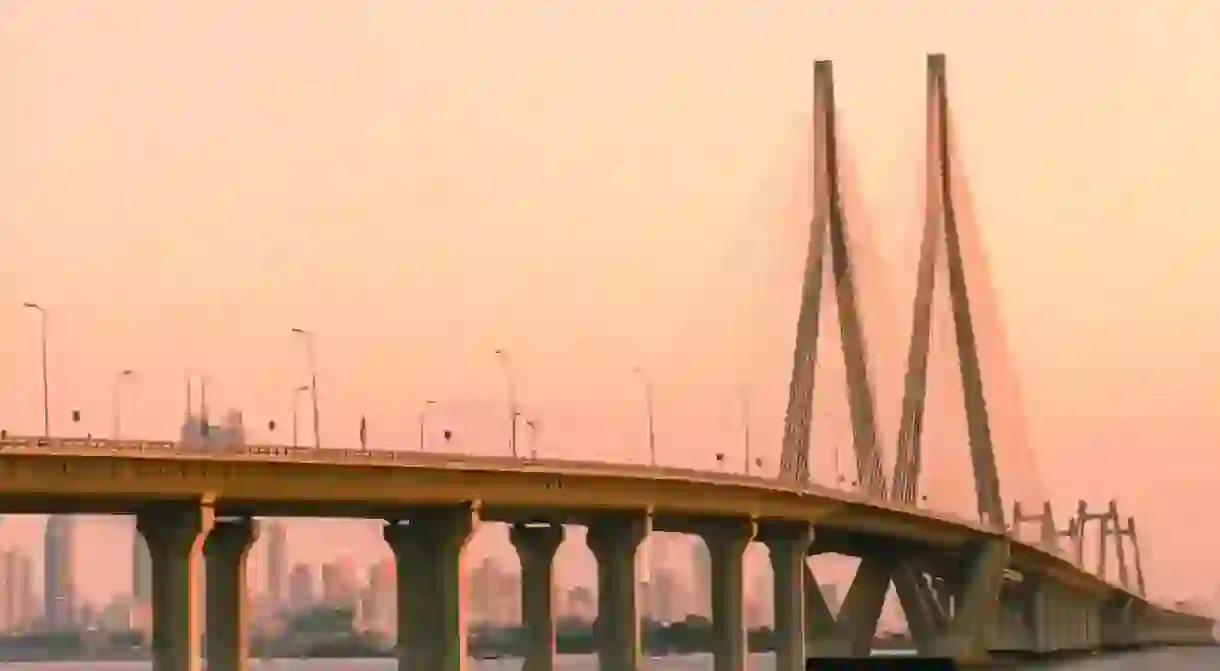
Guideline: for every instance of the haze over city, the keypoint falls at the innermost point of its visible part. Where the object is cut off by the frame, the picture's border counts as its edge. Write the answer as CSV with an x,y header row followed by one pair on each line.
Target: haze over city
x,y
595,188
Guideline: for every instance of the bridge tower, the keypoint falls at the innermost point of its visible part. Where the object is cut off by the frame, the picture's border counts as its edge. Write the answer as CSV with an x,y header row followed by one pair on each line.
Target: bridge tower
x,y
950,626
1108,527
828,228
941,226
1048,533
1129,532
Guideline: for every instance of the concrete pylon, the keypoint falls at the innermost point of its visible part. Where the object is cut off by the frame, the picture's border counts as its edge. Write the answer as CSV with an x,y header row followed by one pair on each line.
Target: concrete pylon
x,y
536,546
227,603
828,228
615,541
429,545
175,533
788,546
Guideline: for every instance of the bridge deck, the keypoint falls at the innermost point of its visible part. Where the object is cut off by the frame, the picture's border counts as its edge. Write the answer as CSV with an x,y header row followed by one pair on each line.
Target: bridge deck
x,y
102,476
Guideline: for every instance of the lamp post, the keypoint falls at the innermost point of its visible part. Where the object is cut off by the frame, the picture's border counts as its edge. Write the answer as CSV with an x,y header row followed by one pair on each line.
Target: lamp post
x,y
296,402
511,379
46,394
532,425
423,419
648,403
311,356
117,401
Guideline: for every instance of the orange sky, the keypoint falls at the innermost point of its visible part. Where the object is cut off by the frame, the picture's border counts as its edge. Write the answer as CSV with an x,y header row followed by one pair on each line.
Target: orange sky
x,y
591,186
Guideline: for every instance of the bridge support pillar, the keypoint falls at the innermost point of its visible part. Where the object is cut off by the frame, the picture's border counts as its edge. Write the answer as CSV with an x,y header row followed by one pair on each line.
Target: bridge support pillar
x,y
614,542
925,607
851,633
428,547
788,546
536,547
224,552
174,534
726,544
965,636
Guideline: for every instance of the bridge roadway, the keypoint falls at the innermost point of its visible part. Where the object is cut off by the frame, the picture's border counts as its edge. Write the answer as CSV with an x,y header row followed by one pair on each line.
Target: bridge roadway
x,y
967,590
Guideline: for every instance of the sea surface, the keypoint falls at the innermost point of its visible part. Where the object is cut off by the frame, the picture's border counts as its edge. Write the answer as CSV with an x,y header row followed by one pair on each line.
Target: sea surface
x,y
1185,659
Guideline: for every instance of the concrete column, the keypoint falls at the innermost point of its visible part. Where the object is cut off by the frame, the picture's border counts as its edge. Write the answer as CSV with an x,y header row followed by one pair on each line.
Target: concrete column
x,y
428,550
788,547
965,640
174,533
726,544
226,604
615,541
536,546
1039,607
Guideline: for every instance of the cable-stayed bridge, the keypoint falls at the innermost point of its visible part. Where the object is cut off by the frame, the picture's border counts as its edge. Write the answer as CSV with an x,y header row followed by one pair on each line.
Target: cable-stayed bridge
x,y
995,580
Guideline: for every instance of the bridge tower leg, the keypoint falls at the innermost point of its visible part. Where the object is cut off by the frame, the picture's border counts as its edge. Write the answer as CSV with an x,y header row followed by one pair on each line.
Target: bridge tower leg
x,y
175,534
225,551
536,546
428,547
615,541
727,542
788,546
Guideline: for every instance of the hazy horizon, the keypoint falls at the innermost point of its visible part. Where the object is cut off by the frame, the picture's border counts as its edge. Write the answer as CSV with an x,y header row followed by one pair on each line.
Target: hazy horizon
x,y
596,187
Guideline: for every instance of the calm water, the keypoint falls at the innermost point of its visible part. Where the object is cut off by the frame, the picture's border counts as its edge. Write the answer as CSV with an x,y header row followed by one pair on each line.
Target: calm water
x,y
1162,660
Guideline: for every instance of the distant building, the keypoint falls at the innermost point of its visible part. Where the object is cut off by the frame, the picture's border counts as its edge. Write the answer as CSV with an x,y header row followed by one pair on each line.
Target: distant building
x,y
277,563
701,589
339,586
197,431
301,588
59,590
16,575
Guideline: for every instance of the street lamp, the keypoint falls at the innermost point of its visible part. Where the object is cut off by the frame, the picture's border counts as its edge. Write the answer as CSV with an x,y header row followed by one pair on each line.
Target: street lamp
x,y
46,403
532,425
117,401
648,402
423,419
311,355
511,379
296,401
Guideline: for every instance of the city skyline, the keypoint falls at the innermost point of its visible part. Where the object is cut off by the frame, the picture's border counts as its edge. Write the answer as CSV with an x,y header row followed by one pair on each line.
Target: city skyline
x,y
357,223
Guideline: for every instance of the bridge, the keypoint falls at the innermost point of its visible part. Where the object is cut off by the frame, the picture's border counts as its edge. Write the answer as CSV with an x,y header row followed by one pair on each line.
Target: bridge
x,y
969,587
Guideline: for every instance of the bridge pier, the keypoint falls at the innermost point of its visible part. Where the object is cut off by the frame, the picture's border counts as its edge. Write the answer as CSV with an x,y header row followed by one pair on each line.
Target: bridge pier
x,y
727,542
225,550
614,541
964,637
536,547
788,546
851,633
174,534
428,547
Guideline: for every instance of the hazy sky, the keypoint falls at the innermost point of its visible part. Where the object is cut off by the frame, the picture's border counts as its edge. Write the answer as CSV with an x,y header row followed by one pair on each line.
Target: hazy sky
x,y
595,186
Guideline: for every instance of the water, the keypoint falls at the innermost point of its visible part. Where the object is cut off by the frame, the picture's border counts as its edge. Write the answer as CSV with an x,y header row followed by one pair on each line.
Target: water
x,y
1186,659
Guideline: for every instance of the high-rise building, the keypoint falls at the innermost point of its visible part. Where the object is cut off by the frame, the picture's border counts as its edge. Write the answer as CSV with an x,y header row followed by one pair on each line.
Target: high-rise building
x,y
16,591
701,590
339,586
198,432
141,569
277,562
301,586
381,607
59,593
